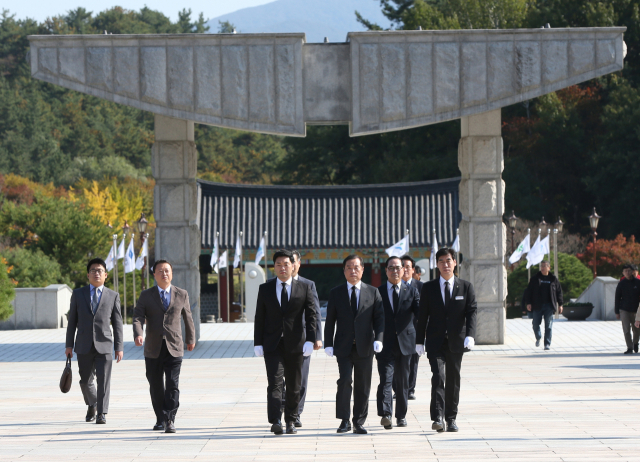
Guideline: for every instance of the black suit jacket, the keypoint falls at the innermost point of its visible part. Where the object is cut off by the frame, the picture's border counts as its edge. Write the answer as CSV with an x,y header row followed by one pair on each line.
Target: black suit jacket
x,y
312,284
399,323
271,322
458,320
366,327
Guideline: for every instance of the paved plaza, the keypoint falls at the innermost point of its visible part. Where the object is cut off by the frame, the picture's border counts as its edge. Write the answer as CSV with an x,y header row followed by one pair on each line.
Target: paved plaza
x,y
578,401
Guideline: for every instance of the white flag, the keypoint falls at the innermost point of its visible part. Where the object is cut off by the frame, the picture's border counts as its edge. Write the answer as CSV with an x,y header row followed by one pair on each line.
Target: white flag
x,y
223,262
238,252
456,244
215,255
260,252
400,248
110,260
129,258
121,249
434,250
538,251
524,247
144,252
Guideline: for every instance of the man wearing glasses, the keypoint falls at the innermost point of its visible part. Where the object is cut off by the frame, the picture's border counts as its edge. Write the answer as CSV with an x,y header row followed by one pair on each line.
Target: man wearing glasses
x,y
92,308
401,303
356,316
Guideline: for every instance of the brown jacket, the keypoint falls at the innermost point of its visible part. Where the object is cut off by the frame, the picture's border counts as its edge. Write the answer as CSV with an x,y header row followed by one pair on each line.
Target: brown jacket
x,y
149,309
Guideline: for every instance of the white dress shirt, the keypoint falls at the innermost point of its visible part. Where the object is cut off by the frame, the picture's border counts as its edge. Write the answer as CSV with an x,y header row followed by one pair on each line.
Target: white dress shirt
x,y
167,290
450,281
357,286
390,290
279,289
99,289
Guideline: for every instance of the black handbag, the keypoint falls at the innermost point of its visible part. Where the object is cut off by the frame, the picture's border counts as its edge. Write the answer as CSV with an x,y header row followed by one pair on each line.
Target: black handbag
x,y
65,380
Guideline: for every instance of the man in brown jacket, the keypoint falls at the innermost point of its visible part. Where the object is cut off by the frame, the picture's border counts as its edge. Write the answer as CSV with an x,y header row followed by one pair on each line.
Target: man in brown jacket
x,y
161,308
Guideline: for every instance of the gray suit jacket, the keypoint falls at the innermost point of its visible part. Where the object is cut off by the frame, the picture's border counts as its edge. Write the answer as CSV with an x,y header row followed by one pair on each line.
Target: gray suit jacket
x,y
94,329
149,309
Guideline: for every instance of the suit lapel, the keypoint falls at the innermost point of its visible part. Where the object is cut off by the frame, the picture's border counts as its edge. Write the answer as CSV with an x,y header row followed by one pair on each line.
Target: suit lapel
x,y
385,298
157,299
347,296
439,294
102,301
456,289
404,294
87,296
361,301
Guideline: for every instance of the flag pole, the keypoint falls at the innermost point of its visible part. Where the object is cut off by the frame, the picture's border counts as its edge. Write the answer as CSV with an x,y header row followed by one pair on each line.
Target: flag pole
x,y
218,277
124,277
266,273
243,318
226,272
457,260
433,271
134,278
146,258
529,269
115,262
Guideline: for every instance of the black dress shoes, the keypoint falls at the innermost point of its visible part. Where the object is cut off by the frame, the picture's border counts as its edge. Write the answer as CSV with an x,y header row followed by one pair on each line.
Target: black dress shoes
x,y
276,428
291,428
297,422
438,425
628,352
401,422
451,425
345,426
101,419
169,427
359,429
159,426
386,422
412,395
635,347
91,414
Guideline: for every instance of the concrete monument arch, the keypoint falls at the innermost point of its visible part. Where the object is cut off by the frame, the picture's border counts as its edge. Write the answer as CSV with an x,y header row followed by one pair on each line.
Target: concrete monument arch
x,y
375,82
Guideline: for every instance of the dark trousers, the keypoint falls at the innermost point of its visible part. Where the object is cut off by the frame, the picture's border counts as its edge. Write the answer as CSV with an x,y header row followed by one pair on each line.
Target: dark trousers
x,y
445,382
283,366
360,367
545,312
95,365
393,368
306,360
413,372
165,395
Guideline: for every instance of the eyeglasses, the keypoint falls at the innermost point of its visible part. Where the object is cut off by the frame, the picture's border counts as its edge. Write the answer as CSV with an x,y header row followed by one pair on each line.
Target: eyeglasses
x,y
97,271
163,271
394,269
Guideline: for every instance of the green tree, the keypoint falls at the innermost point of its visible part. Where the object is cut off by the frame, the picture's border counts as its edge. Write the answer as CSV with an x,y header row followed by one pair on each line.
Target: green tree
x,y
32,268
225,27
7,292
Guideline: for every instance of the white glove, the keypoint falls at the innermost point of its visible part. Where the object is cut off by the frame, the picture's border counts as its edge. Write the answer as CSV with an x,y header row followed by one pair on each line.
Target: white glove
x,y
258,350
469,343
307,349
420,350
377,346
329,351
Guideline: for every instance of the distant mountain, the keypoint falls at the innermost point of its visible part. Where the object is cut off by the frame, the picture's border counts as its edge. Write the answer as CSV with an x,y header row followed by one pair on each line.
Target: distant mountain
x,y
316,18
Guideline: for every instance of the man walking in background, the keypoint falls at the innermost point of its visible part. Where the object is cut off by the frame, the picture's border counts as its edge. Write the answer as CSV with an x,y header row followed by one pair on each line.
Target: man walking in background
x,y
626,306
411,277
356,316
92,308
543,297
161,308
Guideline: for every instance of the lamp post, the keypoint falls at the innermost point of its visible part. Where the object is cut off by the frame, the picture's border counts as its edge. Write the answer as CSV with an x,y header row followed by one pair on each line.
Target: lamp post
x,y
513,221
593,222
142,229
125,229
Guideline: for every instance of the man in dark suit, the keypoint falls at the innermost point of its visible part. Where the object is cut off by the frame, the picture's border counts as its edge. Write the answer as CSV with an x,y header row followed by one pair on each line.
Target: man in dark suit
x,y
448,322
356,316
92,308
161,308
409,277
401,304
284,332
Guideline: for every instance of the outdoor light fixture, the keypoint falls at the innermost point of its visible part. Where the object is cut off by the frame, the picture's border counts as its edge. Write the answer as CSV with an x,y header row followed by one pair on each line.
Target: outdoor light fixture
x,y
513,220
594,218
142,224
559,225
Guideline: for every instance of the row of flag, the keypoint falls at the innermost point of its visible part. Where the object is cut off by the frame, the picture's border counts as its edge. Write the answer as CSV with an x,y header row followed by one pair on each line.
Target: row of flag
x,y
130,262
535,254
401,248
222,261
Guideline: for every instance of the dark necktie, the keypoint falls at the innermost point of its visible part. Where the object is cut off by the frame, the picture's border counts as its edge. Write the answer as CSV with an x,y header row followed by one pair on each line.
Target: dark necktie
x,y
396,298
447,294
94,301
165,301
354,301
284,298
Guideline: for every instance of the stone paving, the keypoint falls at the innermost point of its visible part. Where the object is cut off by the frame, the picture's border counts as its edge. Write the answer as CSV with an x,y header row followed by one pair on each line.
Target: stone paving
x,y
576,402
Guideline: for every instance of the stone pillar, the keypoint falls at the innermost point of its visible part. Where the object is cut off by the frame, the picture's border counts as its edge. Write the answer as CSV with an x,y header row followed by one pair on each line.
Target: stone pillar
x,y
482,232
174,164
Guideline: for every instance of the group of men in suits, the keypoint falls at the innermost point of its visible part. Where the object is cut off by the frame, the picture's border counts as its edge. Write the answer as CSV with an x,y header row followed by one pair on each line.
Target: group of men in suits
x,y
403,312
94,307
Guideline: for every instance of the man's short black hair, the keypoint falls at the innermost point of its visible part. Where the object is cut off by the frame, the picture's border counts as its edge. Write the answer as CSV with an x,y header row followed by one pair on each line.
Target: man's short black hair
x,y
96,261
446,251
392,258
352,257
296,254
630,266
158,262
418,269
283,253
406,258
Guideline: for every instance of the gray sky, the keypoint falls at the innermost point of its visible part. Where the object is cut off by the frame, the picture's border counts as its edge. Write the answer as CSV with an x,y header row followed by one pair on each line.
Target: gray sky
x,y
41,9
